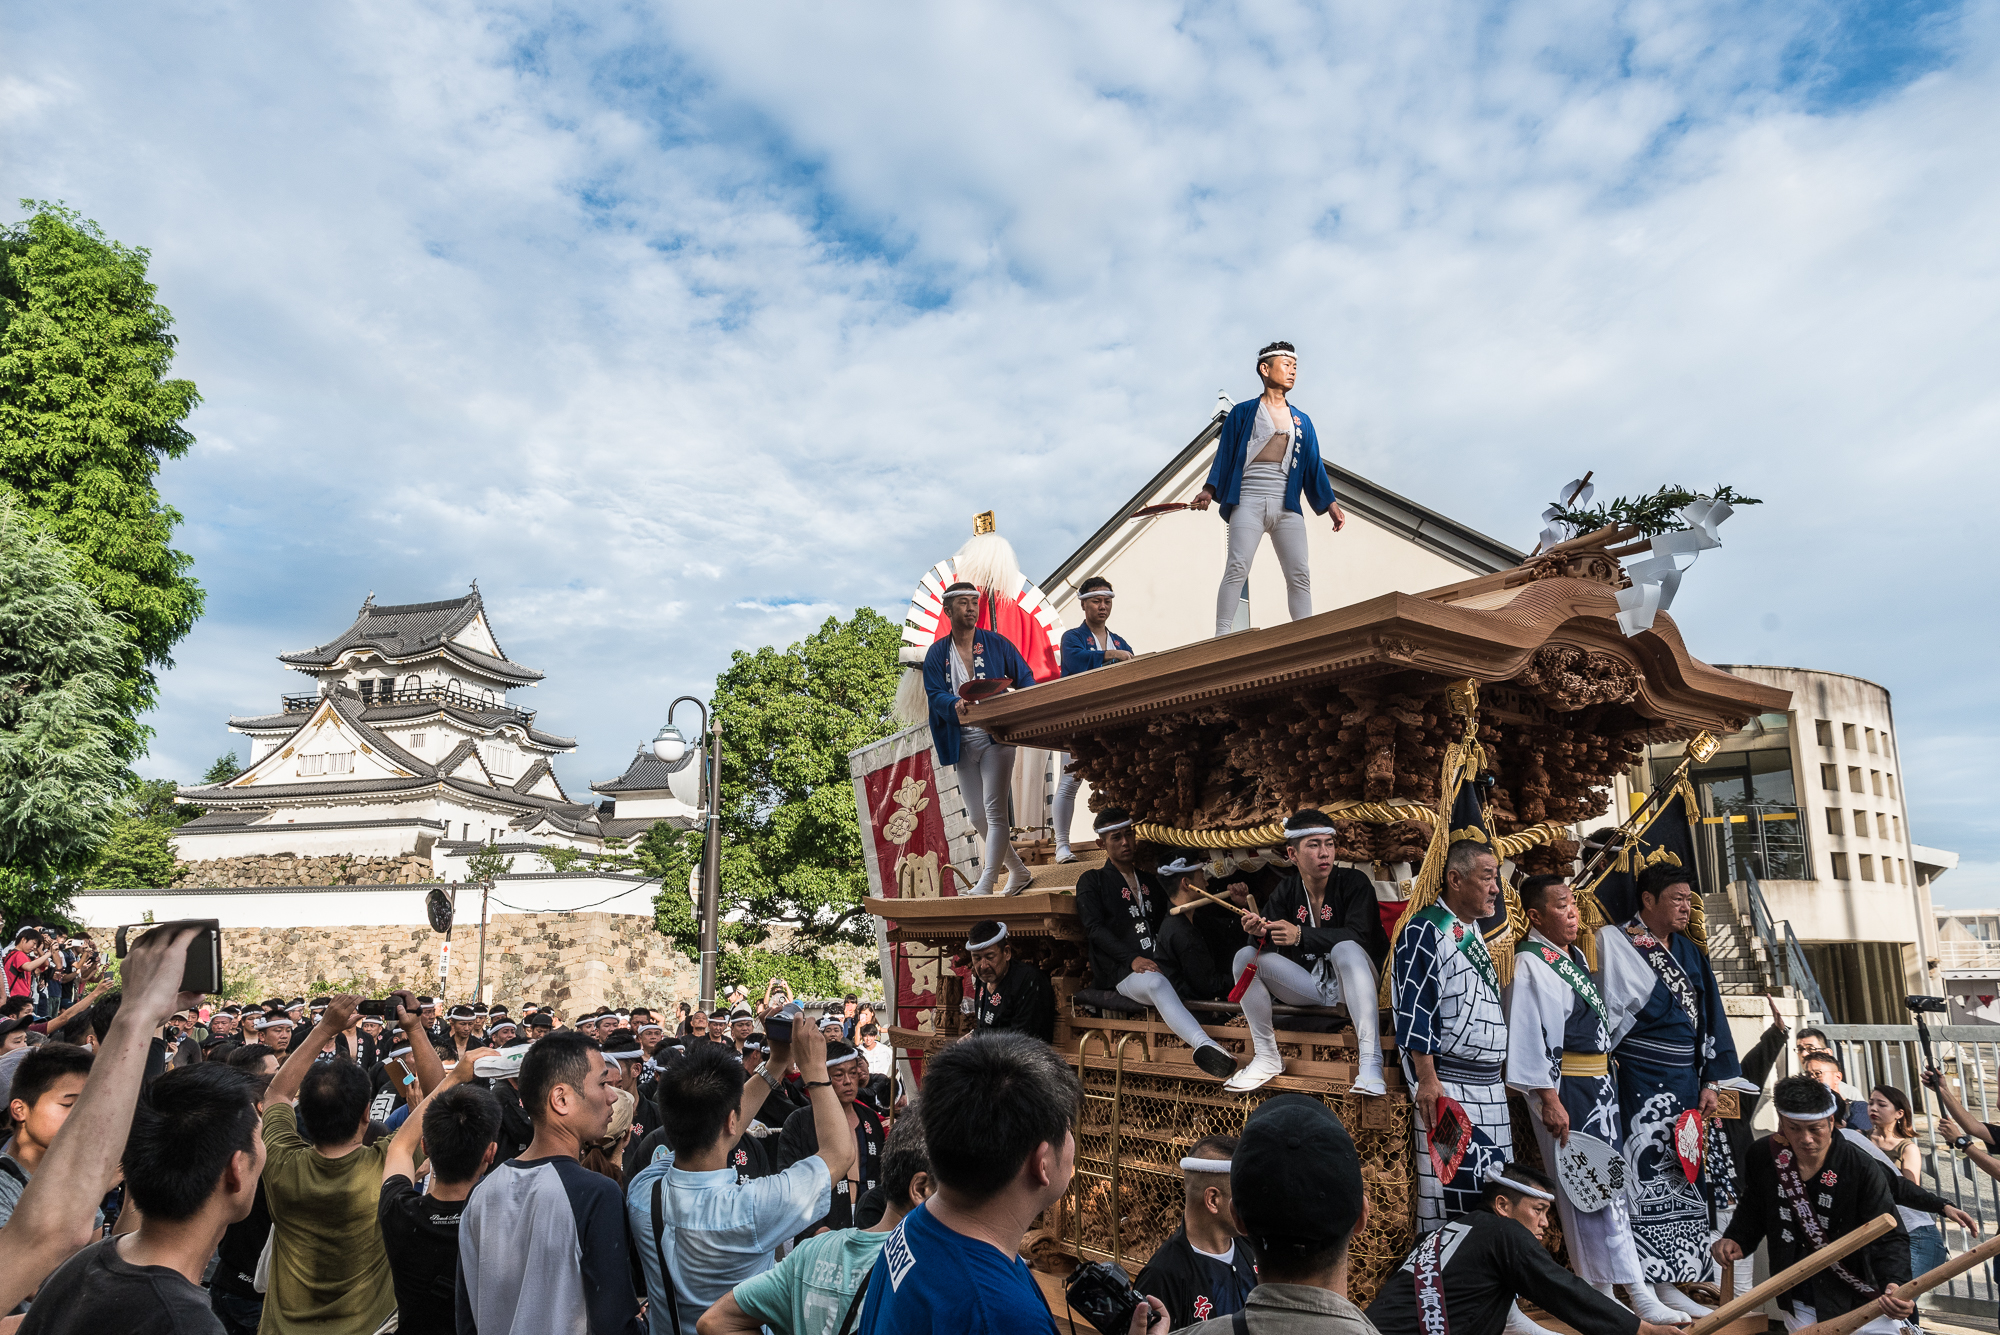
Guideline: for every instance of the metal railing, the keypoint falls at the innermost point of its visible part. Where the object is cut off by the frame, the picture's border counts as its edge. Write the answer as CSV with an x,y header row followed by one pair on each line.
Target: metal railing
x,y
1787,957
410,695
1773,836
1969,955
1969,1056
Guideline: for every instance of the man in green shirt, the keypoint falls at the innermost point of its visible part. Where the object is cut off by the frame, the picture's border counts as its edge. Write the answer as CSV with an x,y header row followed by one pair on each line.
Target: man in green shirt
x,y
817,1290
329,1272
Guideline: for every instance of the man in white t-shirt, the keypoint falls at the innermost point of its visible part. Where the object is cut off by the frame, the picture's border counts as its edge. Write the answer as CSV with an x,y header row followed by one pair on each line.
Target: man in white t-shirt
x,y
701,1231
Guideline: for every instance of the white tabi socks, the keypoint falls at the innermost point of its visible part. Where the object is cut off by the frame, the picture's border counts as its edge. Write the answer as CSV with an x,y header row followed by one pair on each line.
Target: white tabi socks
x,y
1649,1307
1519,1324
1673,1297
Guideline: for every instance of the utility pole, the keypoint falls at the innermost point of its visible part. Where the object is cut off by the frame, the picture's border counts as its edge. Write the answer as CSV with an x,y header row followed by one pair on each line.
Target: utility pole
x,y
711,866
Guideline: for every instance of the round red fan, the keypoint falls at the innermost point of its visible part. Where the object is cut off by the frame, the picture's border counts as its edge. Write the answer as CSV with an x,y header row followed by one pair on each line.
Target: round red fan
x,y
982,688
1450,1138
1688,1137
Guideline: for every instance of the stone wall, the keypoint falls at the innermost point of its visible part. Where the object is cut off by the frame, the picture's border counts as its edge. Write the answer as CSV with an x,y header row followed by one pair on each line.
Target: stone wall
x,y
572,961
290,869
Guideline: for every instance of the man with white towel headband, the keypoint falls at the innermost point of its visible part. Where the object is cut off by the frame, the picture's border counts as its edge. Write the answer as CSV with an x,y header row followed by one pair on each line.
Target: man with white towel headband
x,y
1009,995
1266,462
1464,1278
1203,1270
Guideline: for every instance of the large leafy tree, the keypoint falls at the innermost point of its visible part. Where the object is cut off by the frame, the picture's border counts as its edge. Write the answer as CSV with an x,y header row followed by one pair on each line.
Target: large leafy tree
x,y
66,737
87,415
791,841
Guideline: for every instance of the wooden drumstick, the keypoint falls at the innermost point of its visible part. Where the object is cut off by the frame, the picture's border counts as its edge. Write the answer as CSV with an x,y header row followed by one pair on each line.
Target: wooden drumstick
x,y
1218,899
1796,1272
1924,1283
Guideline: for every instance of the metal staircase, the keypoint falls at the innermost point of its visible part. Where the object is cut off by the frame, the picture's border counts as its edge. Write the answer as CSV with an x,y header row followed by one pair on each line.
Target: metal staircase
x,y
1752,954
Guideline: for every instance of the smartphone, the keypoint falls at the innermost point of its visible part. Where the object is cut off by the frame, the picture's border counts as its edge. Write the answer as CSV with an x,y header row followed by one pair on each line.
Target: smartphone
x,y
384,1008
204,953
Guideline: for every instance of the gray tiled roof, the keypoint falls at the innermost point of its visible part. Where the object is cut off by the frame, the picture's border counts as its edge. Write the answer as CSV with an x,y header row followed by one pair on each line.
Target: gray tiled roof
x,y
407,629
233,819
629,827
386,822
646,773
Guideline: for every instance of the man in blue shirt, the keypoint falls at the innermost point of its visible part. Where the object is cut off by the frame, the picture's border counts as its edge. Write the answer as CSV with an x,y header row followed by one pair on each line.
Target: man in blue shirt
x,y
985,768
1266,460
997,1111
1091,645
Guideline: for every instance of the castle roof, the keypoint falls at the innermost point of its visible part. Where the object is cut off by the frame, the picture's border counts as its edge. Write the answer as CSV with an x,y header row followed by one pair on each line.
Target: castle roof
x,y
407,631
646,773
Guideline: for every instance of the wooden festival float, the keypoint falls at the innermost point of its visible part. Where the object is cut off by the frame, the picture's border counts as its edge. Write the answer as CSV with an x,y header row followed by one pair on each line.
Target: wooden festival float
x,y
1378,714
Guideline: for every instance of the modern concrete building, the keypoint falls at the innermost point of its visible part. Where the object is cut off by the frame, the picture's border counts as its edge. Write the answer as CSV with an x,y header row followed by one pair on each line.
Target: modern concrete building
x,y
1808,805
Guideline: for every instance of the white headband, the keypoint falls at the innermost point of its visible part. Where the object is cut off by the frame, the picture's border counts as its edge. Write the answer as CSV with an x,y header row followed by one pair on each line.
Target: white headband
x,y
1096,593
1309,832
1182,867
1501,1179
1273,356
1125,824
1832,1110
1204,1165
998,937
832,1062
268,1022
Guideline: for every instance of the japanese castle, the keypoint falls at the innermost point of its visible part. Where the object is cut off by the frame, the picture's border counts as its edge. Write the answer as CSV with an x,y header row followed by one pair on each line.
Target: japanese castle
x,y
408,744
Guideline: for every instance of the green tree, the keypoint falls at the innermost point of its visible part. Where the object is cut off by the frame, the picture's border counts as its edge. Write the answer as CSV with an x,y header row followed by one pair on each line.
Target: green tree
x,y
138,855
65,737
87,415
225,768
791,842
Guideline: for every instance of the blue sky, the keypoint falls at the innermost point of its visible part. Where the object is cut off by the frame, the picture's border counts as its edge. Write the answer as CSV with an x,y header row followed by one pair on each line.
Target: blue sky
x,y
680,328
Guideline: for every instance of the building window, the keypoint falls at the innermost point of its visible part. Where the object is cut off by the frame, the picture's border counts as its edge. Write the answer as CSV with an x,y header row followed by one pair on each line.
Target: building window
x,y
340,762
1875,777
417,740
1871,740
1854,778
1829,778
312,764
1896,828
1902,872
413,683
1823,731
1840,866
1833,825
1892,784
1881,826
367,685
1847,736
1867,866
453,686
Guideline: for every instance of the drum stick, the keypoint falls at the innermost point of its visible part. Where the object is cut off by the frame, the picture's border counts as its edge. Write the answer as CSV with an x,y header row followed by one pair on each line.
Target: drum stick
x,y
1797,1272
1850,1322
1218,899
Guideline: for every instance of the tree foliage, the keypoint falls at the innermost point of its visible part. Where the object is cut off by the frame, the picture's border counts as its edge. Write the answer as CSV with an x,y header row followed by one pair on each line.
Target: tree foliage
x,y
87,415
1652,515
65,737
791,841
138,855
225,768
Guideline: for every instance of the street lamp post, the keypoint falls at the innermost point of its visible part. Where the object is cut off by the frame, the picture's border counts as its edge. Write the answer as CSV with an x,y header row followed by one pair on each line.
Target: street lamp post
x,y
671,746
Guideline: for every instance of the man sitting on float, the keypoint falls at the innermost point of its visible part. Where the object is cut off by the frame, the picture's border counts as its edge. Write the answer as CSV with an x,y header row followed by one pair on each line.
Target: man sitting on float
x,y
1121,908
1319,942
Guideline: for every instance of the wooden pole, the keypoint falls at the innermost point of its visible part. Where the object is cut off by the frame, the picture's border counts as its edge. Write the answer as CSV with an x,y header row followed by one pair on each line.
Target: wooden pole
x,y
1190,908
1794,1274
1850,1322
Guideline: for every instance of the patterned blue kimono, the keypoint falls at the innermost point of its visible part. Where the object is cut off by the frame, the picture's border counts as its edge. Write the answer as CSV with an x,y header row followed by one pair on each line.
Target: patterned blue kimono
x,y
1448,1006
1664,1056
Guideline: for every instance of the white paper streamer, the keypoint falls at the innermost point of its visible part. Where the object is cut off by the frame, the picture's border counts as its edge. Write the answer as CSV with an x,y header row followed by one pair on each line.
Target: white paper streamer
x,y
1554,531
1656,579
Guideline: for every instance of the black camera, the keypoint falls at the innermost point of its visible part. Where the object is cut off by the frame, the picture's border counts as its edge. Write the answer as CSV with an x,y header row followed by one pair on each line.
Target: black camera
x,y
1105,1294
203,972
1933,1004
384,1009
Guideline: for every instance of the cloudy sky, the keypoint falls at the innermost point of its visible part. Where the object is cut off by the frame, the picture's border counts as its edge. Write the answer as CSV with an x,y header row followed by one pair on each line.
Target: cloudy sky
x,y
682,327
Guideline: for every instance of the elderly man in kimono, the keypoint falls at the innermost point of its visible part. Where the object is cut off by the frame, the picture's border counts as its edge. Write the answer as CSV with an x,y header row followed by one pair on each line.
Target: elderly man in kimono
x,y
1673,1049
1452,1033
1557,1049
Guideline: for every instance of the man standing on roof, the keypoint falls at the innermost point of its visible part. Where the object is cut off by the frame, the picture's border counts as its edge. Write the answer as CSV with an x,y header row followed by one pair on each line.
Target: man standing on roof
x,y
1266,460
985,768
1091,645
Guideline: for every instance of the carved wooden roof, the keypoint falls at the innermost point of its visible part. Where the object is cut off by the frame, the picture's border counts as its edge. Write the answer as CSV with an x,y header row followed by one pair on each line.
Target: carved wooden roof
x,y
1548,627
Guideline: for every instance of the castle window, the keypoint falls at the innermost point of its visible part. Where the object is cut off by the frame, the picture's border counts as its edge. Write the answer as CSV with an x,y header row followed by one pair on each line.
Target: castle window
x,y
412,683
417,741
314,764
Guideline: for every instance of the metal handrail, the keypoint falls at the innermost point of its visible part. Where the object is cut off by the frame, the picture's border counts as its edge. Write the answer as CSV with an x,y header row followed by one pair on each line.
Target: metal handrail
x,y
1789,954
405,695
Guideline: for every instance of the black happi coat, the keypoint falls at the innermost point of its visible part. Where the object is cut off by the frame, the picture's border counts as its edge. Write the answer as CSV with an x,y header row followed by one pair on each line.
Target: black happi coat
x,y
1184,957
1024,1003
800,1140
1488,1263
1847,1192
1119,925
1196,1286
1348,914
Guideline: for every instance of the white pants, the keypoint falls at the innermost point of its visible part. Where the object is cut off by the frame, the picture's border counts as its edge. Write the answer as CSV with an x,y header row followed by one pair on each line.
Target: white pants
x,y
1063,810
1353,976
986,781
1260,510
1153,989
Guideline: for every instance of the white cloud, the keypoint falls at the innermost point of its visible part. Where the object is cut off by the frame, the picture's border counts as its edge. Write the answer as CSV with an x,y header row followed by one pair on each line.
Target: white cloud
x,y
653,319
